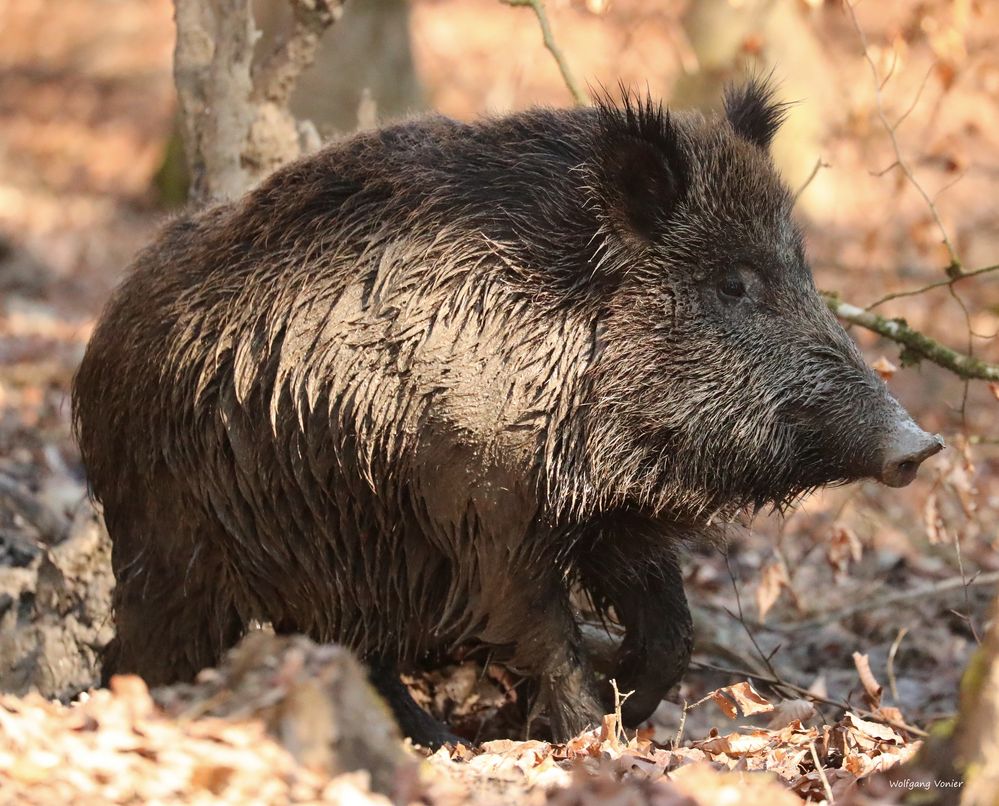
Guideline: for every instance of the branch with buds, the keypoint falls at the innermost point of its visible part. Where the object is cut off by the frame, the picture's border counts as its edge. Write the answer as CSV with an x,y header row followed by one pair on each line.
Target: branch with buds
x,y
916,346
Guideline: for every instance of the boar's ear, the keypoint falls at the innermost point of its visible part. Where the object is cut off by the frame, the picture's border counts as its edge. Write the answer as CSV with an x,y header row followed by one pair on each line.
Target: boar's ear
x,y
642,172
754,112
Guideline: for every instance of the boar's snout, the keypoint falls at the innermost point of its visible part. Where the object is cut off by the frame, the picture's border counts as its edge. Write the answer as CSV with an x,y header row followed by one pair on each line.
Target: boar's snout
x,y
905,450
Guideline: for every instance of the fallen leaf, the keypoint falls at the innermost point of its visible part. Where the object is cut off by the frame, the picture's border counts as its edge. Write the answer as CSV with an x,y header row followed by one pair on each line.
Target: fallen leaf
x,y
885,368
741,697
874,729
791,711
871,686
842,548
773,579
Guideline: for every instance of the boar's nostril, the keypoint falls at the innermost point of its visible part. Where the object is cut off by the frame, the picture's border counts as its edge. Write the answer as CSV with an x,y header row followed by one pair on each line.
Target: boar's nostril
x,y
908,452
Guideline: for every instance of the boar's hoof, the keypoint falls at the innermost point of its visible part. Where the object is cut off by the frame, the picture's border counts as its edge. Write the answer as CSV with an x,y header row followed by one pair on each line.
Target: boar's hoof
x,y
421,728
571,705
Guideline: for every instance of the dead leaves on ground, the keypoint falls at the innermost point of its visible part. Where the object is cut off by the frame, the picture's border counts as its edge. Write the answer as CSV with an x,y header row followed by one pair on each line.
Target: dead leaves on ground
x,y
759,765
117,746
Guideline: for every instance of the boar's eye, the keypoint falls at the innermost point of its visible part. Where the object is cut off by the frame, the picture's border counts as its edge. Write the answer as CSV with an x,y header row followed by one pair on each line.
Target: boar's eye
x,y
732,288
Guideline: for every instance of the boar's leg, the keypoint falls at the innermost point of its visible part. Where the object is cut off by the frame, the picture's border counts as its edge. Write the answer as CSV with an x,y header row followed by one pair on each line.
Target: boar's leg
x,y
534,617
173,611
658,641
414,722
568,692
632,566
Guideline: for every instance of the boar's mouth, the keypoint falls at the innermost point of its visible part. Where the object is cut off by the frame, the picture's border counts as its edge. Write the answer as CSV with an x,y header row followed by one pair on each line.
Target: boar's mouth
x,y
890,453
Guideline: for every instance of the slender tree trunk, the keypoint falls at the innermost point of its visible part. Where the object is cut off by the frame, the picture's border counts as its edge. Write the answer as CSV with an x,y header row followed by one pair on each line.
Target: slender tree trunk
x,y
959,762
977,733
234,110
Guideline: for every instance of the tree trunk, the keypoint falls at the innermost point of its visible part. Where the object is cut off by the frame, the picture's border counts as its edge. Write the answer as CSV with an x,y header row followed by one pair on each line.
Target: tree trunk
x,y
368,55
234,111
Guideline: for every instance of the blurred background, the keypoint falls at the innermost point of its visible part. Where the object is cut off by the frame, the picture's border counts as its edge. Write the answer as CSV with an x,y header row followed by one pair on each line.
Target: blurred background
x,y
91,165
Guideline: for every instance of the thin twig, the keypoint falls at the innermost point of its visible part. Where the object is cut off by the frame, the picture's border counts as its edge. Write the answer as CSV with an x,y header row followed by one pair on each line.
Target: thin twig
x,y
948,185
915,99
967,595
939,284
971,352
538,6
815,170
822,773
892,598
892,684
619,700
687,707
683,723
891,69
955,268
917,346
741,618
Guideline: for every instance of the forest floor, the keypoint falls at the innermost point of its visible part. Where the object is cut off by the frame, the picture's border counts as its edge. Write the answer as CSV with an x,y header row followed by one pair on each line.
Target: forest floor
x,y
852,617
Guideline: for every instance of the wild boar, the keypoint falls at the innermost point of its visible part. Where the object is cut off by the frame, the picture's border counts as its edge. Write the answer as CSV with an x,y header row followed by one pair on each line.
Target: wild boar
x,y
409,391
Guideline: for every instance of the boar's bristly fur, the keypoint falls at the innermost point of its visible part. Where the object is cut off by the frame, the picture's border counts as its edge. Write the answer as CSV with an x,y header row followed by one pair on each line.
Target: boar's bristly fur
x,y
408,391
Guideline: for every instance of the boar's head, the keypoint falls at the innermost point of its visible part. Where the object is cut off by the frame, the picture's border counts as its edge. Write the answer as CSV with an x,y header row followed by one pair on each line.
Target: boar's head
x,y
723,381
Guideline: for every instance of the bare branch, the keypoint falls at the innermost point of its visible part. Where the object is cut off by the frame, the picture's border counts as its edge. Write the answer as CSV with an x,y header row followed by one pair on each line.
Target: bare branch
x,y
923,289
915,100
819,164
741,618
892,652
538,6
891,69
885,170
955,268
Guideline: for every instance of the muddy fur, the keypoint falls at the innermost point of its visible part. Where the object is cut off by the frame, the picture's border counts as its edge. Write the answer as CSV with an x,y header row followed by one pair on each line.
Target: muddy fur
x,y
410,389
